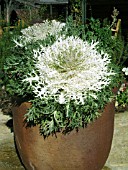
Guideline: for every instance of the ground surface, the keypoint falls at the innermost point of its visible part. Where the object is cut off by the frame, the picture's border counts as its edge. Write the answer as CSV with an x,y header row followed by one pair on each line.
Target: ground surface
x,y
117,160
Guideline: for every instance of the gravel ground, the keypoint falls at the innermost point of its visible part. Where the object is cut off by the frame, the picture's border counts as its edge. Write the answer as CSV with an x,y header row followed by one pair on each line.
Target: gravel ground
x,y
117,160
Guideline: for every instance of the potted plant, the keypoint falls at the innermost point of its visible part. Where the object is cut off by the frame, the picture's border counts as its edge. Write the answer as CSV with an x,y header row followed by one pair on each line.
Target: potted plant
x,y
63,103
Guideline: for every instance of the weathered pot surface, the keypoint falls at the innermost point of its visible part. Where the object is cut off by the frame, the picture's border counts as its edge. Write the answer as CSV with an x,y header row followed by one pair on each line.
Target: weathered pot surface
x,y
87,149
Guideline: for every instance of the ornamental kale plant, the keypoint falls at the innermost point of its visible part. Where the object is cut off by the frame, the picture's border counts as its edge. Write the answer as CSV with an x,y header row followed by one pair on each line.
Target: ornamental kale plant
x,y
39,31
63,75
68,69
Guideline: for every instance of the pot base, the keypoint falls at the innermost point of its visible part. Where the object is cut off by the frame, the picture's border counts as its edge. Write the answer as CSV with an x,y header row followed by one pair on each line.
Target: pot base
x,y
87,149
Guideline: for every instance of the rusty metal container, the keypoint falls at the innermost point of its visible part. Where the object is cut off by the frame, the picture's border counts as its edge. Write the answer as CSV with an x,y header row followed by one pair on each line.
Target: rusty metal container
x,y
87,149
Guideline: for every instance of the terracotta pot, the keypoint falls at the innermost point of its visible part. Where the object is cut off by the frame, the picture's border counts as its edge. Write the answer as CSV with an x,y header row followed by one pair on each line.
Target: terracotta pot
x,y
87,149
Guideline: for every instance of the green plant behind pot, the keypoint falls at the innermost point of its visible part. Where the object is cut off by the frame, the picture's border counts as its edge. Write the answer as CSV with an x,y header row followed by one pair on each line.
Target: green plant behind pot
x,y
122,95
6,45
101,32
122,99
